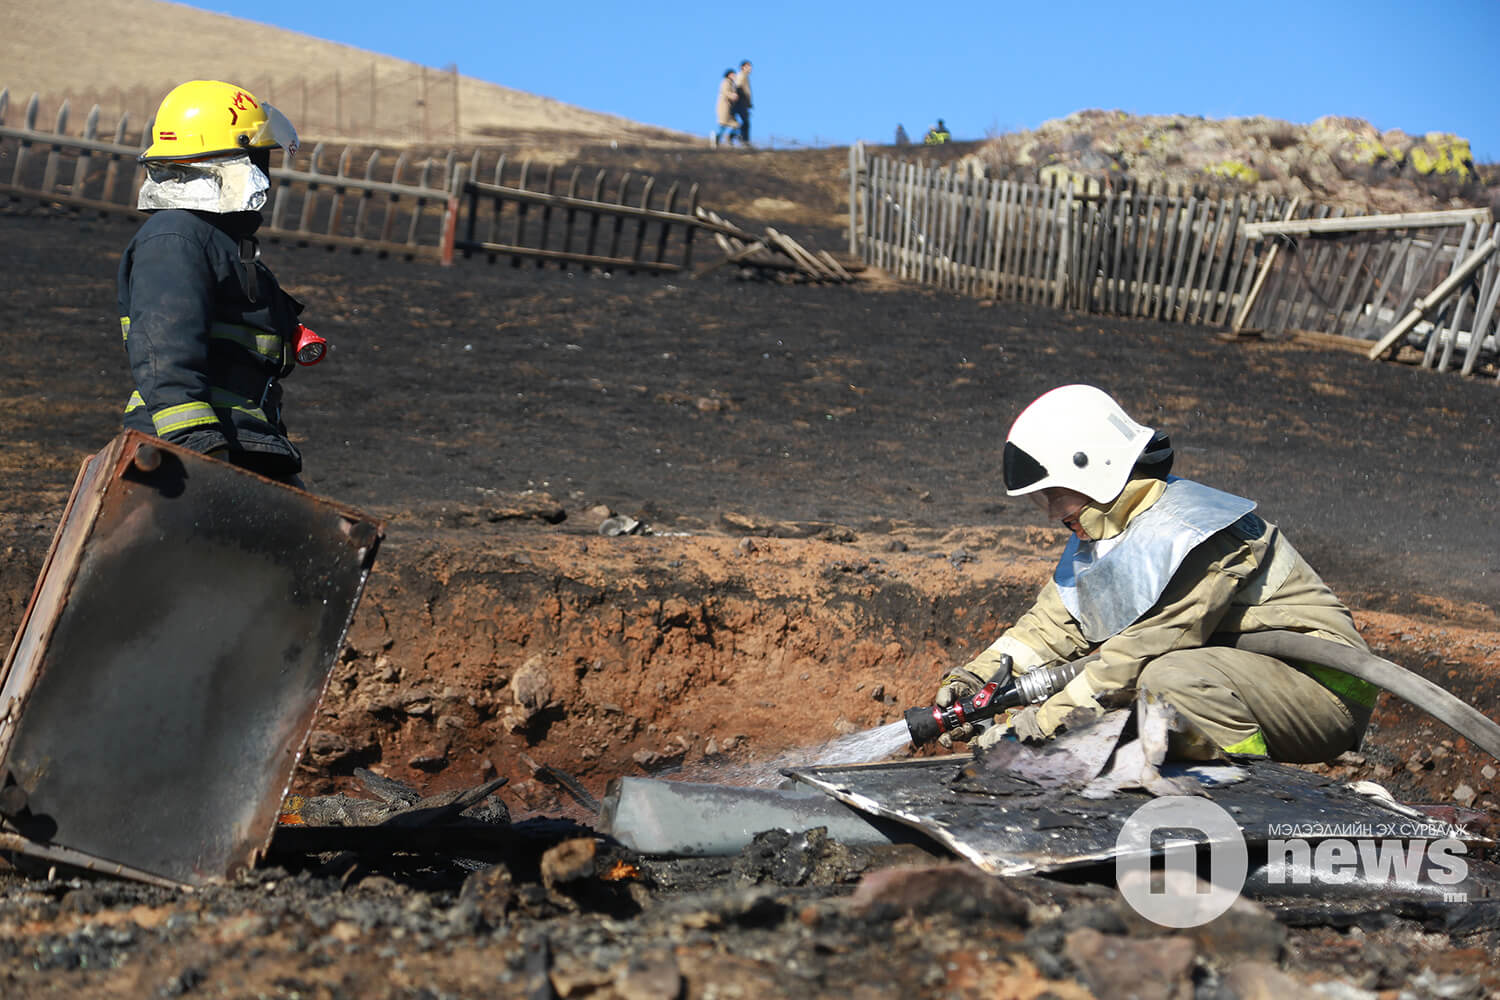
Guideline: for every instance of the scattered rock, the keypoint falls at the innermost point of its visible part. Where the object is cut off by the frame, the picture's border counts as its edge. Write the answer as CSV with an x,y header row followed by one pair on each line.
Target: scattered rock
x,y
432,758
332,750
785,858
569,861
486,897
1120,968
418,705
531,687
1247,930
649,977
620,524
527,507
959,889
1262,981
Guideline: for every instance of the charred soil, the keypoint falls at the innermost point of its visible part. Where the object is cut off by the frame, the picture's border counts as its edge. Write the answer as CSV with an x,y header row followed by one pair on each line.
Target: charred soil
x,y
820,532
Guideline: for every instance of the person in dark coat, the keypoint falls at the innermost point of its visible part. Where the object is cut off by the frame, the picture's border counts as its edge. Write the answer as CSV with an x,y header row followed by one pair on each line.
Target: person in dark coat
x,y
208,331
742,105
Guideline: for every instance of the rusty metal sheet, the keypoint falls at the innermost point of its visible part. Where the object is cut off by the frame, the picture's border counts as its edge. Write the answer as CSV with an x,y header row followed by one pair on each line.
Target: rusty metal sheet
x,y
168,670
1049,830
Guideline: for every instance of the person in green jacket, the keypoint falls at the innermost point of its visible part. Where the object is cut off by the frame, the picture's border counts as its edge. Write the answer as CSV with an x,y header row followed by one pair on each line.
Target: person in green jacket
x,y
937,135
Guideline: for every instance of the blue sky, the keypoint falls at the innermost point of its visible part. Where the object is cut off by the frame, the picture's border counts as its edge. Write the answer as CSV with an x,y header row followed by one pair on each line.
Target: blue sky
x,y
836,72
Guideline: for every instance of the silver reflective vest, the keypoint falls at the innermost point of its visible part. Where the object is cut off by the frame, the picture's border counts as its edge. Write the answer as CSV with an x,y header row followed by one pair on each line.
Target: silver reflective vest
x,y
1107,585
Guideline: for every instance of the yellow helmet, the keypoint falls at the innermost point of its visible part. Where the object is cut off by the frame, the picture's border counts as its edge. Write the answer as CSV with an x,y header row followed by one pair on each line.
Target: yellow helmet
x,y
212,118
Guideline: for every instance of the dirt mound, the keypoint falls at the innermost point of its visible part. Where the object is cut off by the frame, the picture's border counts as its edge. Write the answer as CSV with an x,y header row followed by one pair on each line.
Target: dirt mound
x,y
1336,161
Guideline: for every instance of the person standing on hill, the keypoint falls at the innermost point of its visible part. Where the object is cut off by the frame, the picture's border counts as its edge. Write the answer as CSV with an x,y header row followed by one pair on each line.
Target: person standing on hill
x,y
742,105
208,331
724,110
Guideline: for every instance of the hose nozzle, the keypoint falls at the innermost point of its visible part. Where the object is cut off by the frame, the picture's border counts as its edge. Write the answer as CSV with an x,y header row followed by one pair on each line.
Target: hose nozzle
x,y
927,723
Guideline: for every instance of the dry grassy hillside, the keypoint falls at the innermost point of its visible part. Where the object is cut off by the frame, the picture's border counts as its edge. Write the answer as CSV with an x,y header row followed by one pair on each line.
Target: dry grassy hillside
x,y
124,54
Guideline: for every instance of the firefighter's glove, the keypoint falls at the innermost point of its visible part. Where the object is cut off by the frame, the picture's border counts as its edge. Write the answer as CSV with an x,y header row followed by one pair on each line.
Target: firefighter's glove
x,y
1027,725
957,686
961,684
1023,724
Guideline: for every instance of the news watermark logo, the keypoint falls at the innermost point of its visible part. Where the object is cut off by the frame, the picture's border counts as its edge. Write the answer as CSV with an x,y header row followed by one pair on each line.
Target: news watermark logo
x,y
1160,858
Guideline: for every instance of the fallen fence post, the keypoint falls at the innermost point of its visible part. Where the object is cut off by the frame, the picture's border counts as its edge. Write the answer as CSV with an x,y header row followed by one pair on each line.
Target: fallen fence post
x,y
1428,302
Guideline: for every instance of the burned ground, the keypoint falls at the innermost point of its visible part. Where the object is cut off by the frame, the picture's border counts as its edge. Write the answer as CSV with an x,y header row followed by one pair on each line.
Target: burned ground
x,y
816,473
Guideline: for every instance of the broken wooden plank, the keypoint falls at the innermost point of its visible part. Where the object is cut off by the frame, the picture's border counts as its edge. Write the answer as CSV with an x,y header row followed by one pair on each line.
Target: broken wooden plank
x,y
1355,223
1433,299
732,257
1260,278
834,266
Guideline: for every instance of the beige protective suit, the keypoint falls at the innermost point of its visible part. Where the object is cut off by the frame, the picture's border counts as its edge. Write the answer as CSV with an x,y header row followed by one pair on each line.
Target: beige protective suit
x,y
1245,702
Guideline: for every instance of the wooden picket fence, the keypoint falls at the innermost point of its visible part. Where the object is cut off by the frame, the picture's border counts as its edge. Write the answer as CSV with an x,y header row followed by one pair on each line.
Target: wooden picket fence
x,y
1428,282
395,204
416,206
592,222
1182,255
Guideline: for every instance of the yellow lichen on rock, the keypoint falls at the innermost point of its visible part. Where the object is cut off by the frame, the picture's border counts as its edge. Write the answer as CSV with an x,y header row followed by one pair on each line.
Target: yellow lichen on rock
x,y
1441,153
1233,170
1371,151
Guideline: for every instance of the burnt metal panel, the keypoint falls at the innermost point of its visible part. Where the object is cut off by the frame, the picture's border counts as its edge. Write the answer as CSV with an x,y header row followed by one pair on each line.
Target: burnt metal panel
x,y
168,670
688,819
1048,830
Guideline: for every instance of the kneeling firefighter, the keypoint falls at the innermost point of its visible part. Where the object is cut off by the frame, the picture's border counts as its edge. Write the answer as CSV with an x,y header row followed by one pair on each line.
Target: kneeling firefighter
x,y
208,331
1161,577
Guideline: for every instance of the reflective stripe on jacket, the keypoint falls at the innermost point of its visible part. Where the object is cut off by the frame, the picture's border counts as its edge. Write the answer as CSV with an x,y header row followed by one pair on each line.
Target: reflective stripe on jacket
x,y
208,338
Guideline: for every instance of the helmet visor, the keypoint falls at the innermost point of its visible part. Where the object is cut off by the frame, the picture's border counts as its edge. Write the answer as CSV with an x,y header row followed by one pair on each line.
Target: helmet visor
x,y
1020,469
276,130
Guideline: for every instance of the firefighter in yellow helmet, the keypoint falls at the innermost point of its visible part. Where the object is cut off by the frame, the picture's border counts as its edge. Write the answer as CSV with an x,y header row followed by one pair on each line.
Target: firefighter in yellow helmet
x,y
208,331
1159,573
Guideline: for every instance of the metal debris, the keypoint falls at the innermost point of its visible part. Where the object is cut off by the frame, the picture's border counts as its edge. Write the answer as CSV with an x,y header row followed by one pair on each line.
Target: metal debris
x,y
169,667
1070,761
686,819
1052,830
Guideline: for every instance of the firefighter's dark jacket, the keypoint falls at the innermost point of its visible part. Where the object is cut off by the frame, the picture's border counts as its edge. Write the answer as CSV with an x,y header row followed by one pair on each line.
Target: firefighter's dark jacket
x,y
209,333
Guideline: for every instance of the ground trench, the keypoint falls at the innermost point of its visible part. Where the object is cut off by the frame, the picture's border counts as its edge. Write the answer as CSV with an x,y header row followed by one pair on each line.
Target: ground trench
x,y
670,656
718,658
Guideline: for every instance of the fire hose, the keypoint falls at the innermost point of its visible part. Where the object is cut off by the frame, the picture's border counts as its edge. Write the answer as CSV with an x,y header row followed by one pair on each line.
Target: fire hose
x,y
926,723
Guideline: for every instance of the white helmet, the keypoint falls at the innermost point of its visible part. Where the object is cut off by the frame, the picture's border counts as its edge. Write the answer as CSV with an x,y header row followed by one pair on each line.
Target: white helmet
x,y
1076,437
